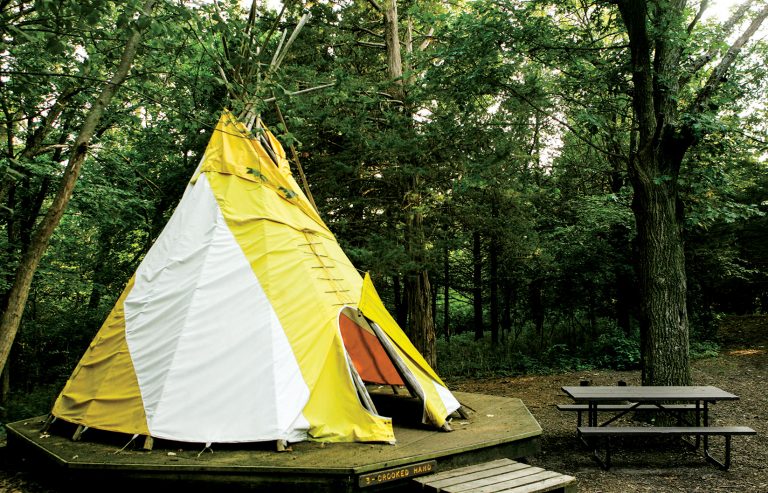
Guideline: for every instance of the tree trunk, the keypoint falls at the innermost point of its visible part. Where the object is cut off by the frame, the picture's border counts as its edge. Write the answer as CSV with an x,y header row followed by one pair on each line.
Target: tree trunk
x,y
5,386
421,320
401,306
11,319
433,293
658,68
493,265
620,241
536,300
446,292
506,310
622,272
422,323
662,285
653,169
477,283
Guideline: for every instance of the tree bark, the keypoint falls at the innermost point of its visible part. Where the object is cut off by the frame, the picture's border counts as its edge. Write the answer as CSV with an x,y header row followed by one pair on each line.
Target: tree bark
x,y
421,320
422,323
536,300
662,284
506,310
653,172
11,319
401,310
392,40
446,292
493,267
477,283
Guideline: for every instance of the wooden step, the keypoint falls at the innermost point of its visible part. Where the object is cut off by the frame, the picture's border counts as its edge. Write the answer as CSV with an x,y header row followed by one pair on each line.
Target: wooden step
x,y
503,475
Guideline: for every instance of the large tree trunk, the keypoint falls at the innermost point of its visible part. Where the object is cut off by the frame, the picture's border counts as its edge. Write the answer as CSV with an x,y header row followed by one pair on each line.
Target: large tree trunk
x,y
421,321
653,169
17,298
662,285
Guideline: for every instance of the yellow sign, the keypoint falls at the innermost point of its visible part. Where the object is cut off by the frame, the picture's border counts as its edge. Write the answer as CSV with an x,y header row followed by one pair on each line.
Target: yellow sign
x,y
405,472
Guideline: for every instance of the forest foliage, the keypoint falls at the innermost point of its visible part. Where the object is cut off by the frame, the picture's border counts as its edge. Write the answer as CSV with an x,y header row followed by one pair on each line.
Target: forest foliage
x,y
521,122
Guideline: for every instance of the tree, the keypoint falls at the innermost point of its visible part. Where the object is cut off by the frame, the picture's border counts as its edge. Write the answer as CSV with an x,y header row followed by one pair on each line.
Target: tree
x,y
669,123
418,291
30,260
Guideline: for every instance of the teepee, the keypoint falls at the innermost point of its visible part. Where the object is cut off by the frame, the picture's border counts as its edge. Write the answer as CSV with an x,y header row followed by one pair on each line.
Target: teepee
x,y
246,321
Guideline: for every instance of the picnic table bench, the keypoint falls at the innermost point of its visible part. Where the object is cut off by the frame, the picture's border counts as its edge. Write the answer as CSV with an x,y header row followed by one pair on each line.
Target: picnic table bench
x,y
667,399
583,408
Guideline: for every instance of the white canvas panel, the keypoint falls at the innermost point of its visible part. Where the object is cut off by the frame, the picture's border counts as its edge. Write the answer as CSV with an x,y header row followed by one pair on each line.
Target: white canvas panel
x,y
212,361
449,401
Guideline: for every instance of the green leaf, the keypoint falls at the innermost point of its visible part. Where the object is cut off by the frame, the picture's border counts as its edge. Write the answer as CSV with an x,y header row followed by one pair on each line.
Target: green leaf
x,y
257,173
289,194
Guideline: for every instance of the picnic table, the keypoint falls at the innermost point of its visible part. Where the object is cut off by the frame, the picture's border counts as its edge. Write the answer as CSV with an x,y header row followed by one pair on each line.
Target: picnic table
x,y
620,400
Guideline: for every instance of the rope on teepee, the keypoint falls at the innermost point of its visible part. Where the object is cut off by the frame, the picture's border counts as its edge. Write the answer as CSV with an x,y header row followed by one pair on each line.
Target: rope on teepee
x,y
126,445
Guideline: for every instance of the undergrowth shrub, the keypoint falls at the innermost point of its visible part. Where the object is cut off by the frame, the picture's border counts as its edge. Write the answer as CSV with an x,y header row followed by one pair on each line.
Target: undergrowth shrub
x,y
463,356
704,349
615,350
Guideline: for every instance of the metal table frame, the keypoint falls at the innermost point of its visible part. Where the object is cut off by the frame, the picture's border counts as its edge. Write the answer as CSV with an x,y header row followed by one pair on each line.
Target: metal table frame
x,y
701,396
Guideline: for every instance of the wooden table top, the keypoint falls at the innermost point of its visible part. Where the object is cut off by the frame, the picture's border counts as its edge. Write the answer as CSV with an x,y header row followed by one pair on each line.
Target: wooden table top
x,y
636,393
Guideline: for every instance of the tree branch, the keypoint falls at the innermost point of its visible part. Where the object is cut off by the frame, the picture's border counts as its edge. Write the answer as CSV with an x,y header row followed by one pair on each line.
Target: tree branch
x,y
634,14
381,46
303,91
375,5
570,127
429,37
702,7
17,297
717,77
705,58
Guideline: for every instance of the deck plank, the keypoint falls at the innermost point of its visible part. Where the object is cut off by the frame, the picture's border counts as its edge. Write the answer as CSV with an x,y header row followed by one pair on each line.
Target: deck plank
x,y
561,481
478,487
465,470
485,477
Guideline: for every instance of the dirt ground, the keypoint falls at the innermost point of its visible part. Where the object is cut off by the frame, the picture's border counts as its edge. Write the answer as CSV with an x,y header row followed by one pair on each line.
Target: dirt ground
x,y
658,466
664,465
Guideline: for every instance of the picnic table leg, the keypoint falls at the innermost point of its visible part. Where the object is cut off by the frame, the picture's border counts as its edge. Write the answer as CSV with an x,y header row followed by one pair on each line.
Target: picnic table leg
x,y
706,437
698,422
727,459
605,464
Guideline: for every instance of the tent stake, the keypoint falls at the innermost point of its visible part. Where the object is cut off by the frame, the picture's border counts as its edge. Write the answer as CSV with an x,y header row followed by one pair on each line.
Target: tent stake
x,y
79,432
48,422
282,446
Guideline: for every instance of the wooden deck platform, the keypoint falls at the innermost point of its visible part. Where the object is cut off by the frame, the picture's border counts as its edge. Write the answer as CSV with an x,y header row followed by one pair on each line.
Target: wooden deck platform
x,y
497,427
